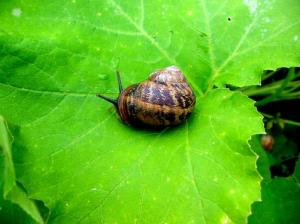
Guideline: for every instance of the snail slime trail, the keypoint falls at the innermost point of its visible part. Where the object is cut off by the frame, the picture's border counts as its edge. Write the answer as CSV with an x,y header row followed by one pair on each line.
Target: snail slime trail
x,y
165,99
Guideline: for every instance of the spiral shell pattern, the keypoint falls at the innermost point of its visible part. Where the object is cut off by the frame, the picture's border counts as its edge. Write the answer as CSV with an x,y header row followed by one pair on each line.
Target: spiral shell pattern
x,y
165,99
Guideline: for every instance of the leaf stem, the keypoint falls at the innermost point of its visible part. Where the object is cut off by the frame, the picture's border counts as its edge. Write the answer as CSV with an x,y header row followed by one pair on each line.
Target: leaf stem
x,y
288,98
266,89
295,123
271,88
293,94
260,90
285,82
268,75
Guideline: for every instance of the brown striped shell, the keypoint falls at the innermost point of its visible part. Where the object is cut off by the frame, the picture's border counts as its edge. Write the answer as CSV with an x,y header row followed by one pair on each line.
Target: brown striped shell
x,y
165,99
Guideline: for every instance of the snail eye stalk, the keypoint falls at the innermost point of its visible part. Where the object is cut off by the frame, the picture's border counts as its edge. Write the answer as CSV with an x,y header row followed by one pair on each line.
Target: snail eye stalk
x,y
119,82
113,101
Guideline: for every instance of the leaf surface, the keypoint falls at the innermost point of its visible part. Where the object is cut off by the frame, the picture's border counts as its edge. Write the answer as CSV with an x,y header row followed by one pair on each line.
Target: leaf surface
x,y
213,42
72,152
103,166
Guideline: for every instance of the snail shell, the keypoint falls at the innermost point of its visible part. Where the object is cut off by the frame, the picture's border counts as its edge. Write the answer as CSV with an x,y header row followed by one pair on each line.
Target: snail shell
x,y
267,142
165,99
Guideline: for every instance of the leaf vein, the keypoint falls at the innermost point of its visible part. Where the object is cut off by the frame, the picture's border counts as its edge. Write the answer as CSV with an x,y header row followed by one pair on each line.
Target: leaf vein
x,y
191,170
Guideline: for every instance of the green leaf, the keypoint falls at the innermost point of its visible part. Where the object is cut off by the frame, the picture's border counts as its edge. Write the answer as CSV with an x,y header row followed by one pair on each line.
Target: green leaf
x,y
71,151
86,168
213,42
5,146
280,201
11,212
11,191
263,161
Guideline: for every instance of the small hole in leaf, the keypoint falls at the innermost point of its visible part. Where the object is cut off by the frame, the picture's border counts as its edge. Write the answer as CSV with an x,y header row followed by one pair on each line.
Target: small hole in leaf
x,y
229,18
203,34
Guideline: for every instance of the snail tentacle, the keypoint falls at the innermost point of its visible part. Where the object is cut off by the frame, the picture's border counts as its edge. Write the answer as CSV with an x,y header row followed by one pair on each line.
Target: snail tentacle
x,y
113,101
119,82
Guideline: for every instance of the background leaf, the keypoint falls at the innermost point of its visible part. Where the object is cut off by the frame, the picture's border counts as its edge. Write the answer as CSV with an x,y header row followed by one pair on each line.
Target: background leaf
x,y
263,163
71,152
11,191
280,198
10,211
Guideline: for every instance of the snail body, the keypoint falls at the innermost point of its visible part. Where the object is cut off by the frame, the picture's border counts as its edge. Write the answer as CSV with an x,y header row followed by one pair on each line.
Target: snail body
x,y
165,99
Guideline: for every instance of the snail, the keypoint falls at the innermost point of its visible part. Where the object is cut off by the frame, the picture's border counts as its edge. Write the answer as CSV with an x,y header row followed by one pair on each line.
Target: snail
x,y
165,99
